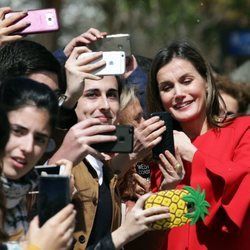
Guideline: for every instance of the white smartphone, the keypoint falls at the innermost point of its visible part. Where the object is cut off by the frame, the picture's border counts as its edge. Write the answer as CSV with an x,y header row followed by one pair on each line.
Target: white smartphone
x,y
114,42
41,20
115,62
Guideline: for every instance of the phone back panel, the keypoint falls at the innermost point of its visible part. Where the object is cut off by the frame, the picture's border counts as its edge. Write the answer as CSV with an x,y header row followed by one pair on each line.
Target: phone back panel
x,y
115,63
41,20
117,42
167,142
124,143
54,195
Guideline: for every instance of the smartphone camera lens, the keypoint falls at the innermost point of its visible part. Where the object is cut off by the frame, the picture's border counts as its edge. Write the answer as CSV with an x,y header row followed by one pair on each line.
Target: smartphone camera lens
x,y
49,19
131,130
121,139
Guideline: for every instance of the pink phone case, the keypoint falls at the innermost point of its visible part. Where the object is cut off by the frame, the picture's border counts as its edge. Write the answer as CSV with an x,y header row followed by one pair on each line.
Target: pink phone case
x,y
41,20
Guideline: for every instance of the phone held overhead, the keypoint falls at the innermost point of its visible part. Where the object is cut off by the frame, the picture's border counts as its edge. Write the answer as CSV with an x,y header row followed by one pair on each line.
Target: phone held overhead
x,y
114,42
41,20
115,62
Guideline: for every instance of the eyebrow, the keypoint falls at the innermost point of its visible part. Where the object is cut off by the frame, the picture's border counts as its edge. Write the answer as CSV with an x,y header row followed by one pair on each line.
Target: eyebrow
x,y
164,83
184,76
111,89
25,129
42,135
181,78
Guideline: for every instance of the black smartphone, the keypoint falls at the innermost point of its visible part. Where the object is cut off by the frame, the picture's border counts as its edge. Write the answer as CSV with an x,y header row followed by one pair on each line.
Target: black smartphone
x,y
49,169
114,42
167,142
143,170
54,195
123,144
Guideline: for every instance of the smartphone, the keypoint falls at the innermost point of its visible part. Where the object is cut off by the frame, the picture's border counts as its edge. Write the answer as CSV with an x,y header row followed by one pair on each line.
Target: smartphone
x,y
41,20
115,63
143,170
115,42
54,195
167,142
124,143
49,169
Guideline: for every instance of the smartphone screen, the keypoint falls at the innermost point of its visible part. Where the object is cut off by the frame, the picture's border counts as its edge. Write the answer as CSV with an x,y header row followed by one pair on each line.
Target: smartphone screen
x,y
143,170
54,194
41,20
124,143
167,141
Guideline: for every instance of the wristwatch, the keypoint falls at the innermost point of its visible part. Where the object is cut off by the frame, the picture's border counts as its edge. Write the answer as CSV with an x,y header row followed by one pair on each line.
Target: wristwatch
x,y
61,99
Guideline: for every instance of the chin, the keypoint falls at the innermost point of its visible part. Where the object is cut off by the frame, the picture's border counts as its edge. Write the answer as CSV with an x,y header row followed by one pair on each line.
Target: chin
x,y
186,118
12,176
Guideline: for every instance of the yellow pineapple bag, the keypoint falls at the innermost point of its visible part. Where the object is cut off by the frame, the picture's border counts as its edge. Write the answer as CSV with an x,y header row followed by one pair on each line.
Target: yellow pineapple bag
x,y
186,205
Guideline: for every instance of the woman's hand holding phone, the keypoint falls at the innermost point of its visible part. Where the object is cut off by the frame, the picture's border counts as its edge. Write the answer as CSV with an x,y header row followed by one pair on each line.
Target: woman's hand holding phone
x,y
66,170
8,25
172,169
56,233
147,135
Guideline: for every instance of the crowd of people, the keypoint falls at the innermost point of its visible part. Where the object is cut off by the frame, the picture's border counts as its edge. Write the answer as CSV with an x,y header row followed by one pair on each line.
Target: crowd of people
x,y
54,109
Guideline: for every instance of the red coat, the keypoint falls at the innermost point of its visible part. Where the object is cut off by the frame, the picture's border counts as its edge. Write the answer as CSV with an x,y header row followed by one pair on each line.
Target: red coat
x,y
221,167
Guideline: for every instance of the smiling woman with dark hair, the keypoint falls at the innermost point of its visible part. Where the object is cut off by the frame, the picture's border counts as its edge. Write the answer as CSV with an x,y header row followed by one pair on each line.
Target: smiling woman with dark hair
x,y
212,148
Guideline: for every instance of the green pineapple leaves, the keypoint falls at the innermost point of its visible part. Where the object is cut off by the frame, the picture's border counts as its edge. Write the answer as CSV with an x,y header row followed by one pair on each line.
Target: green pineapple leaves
x,y
197,198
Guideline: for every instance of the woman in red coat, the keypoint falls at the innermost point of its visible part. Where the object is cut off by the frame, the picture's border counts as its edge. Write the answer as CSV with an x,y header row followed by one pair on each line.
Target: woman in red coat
x,y
212,149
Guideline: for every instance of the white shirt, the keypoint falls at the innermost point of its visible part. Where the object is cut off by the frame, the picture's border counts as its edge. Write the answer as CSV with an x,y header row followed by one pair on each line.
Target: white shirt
x,y
97,165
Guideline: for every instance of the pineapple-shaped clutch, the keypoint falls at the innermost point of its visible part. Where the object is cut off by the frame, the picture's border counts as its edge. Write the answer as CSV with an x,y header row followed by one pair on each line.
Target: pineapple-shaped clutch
x,y
186,205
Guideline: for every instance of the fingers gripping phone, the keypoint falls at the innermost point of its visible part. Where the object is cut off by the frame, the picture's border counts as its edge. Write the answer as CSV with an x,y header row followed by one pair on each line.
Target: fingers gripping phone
x,y
115,63
167,141
41,20
54,195
124,143
114,42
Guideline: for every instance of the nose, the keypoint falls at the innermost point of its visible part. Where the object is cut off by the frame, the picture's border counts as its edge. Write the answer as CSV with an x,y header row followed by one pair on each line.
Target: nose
x,y
27,144
178,91
104,103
